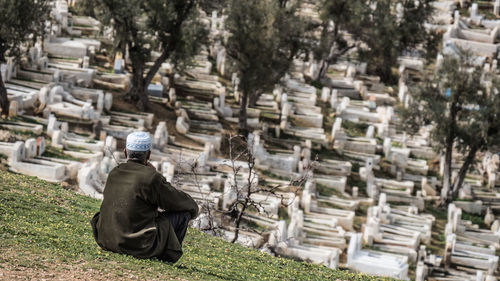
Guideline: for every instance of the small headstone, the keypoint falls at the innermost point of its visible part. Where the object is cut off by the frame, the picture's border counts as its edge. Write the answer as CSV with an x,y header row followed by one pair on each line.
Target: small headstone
x,y
3,72
57,76
399,11
495,226
489,218
118,67
387,147
86,62
181,126
334,98
399,176
40,146
456,18
13,109
370,132
222,97
355,192
213,25
64,127
110,143
31,149
155,90
325,94
160,138
351,71
108,101
439,61
473,10
372,102
57,139
172,97
165,82
43,63
427,190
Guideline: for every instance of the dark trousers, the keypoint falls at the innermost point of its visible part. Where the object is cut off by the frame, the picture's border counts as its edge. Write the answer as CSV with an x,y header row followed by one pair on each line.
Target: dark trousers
x,y
180,223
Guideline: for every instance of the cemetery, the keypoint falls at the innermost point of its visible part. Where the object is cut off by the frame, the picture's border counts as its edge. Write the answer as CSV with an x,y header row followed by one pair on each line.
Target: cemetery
x,y
335,179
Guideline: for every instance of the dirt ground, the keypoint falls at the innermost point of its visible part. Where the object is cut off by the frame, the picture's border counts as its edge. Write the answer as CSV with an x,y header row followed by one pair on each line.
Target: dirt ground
x,y
161,112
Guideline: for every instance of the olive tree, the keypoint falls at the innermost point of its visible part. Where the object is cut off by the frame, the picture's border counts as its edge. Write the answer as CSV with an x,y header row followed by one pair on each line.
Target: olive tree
x,y
171,28
20,22
264,38
462,103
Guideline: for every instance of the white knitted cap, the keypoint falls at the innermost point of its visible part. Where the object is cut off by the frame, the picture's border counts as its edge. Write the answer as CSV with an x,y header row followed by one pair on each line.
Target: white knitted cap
x,y
138,141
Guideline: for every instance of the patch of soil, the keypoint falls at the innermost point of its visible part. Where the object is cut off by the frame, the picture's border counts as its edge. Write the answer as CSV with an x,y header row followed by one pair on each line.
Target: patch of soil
x,y
68,272
161,112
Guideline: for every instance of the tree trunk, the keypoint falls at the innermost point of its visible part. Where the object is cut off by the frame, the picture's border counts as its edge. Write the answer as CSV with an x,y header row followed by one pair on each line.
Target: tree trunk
x,y
140,83
238,221
385,72
323,70
243,125
156,66
457,184
4,102
446,191
446,175
252,99
139,92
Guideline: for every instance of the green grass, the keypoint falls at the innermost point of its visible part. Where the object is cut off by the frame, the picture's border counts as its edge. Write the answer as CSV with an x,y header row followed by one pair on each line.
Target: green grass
x,y
356,181
438,240
354,129
53,152
475,219
316,84
43,226
273,175
328,191
283,214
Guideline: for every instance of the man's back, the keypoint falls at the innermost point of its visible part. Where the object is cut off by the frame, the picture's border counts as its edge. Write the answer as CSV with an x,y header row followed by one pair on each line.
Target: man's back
x,y
128,221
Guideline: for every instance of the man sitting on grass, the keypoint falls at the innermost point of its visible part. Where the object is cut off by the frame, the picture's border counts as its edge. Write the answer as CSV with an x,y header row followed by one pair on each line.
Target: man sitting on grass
x,y
142,214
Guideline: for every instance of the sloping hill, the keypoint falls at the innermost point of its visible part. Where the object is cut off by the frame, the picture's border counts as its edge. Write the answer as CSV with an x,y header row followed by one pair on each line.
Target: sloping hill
x,y
45,234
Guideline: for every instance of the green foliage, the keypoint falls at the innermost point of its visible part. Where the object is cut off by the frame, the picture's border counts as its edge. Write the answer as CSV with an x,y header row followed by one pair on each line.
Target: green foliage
x,y
374,23
171,28
470,115
475,219
213,5
20,20
432,44
387,36
337,16
43,223
264,38
462,103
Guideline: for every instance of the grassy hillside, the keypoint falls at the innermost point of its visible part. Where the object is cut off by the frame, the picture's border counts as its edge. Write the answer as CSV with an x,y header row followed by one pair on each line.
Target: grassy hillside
x,y
45,234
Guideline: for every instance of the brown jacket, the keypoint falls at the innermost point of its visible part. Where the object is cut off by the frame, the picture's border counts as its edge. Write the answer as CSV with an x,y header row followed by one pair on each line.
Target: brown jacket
x,y
128,221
